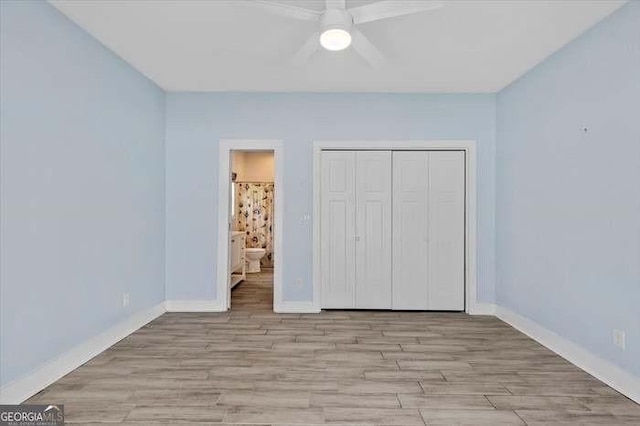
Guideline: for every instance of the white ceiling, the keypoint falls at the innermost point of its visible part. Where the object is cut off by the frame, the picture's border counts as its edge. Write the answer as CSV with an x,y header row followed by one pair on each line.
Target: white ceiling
x,y
222,45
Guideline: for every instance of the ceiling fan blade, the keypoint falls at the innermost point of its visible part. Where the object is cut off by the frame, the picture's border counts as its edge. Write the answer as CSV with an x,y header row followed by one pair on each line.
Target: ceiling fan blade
x,y
336,4
285,10
366,49
308,49
391,8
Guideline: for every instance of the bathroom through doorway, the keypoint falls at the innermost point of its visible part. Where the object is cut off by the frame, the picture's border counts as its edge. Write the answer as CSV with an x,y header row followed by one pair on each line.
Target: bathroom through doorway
x,y
249,259
251,250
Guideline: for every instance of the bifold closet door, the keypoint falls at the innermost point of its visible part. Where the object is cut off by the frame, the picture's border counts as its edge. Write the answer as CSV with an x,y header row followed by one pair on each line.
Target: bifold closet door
x,y
428,230
338,229
355,224
410,231
373,230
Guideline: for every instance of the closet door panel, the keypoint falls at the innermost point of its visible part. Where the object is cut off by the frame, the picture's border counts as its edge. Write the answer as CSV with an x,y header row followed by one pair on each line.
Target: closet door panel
x,y
446,230
373,230
410,246
337,229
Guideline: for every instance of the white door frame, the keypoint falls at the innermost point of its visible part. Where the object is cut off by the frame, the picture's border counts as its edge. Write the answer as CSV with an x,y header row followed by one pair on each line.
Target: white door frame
x,y
224,177
469,146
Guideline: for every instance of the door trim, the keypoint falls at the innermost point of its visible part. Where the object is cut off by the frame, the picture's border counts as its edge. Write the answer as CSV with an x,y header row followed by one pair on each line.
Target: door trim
x,y
224,176
469,146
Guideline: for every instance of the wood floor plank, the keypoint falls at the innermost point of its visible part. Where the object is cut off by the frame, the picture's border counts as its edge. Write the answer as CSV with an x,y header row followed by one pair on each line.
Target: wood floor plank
x,y
177,413
422,376
369,416
88,411
374,387
451,402
430,388
268,399
433,365
470,417
274,416
552,403
325,399
559,416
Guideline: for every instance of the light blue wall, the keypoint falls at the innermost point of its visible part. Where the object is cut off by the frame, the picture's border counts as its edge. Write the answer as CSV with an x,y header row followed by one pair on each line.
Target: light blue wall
x,y
568,207
196,122
82,181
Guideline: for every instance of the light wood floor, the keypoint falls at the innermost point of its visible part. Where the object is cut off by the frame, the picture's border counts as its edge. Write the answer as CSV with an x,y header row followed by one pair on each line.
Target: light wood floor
x,y
251,366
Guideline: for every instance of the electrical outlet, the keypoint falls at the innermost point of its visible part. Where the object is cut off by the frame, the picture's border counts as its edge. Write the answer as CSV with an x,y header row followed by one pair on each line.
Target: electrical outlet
x,y
125,300
619,338
299,283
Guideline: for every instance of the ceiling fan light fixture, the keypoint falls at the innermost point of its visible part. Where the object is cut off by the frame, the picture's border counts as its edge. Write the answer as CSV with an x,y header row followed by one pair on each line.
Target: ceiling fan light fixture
x,y
335,39
335,29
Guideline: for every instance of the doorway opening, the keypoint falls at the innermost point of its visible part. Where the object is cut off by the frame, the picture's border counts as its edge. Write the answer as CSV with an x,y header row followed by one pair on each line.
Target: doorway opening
x,y
249,247
252,209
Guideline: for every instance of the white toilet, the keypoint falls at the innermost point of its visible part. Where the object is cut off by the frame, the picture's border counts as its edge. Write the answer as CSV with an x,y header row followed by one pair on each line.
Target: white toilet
x,y
253,256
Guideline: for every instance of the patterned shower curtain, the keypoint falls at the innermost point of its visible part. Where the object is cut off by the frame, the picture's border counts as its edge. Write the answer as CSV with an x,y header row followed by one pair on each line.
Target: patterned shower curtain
x,y
254,215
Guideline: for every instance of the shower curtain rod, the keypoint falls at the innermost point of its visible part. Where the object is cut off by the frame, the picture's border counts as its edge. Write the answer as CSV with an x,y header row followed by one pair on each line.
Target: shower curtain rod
x,y
253,181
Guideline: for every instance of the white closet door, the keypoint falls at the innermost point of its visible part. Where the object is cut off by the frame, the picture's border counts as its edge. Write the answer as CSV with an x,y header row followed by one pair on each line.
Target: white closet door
x,y
446,230
337,225
428,230
373,230
410,231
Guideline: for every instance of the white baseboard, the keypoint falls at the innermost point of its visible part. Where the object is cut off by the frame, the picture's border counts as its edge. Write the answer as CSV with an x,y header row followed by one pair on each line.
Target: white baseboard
x,y
19,390
614,376
194,306
296,308
482,309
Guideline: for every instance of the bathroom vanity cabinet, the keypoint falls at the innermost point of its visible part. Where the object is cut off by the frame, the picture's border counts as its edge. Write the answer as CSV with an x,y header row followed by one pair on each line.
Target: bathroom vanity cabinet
x,y
237,241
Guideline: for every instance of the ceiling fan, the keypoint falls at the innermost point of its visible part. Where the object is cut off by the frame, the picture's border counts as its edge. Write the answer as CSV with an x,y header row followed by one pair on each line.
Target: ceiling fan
x,y
337,25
